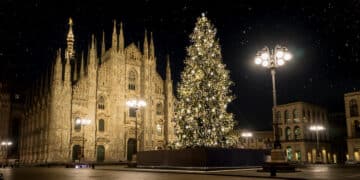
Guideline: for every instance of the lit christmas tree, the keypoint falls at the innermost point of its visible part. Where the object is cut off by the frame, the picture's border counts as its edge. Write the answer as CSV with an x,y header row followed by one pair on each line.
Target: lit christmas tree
x,y
203,93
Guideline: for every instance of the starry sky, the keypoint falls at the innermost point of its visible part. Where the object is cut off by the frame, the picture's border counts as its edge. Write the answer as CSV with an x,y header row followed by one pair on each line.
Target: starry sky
x,y
323,36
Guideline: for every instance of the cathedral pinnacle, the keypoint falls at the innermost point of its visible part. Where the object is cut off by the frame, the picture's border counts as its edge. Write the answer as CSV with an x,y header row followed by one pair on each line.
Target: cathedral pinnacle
x,y
152,49
114,38
70,41
146,45
103,44
168,70
121,38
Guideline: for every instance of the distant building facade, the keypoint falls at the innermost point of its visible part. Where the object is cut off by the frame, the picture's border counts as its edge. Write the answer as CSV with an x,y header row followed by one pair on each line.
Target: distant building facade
x,y
258,139
11,113
96,88
5,109
352,101
297,141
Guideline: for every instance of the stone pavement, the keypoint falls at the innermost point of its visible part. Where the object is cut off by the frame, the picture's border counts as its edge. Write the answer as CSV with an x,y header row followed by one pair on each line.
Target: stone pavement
x,y
321,172
306,172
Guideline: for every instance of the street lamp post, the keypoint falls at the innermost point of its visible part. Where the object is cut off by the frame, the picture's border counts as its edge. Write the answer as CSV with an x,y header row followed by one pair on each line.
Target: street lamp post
x,y
317,128
83,122
137,104
6,144
273,59
247,135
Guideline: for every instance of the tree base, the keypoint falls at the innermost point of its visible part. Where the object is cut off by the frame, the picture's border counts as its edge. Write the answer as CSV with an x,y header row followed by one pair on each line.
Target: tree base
x,y
202,158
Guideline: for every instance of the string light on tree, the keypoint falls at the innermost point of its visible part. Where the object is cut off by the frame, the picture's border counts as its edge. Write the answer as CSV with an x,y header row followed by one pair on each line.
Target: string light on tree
x,y
203,93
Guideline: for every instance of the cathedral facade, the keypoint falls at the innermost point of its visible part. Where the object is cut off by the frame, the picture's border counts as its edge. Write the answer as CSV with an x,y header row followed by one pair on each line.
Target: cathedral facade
x,y
78,110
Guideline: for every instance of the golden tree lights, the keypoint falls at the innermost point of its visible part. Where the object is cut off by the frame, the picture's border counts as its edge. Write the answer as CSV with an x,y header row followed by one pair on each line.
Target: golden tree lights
x,y
203,93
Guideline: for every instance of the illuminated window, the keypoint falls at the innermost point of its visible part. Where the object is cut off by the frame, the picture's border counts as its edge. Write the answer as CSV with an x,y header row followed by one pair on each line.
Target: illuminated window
x,y
287,116
353,108
132,80
159,129
296,116
287,133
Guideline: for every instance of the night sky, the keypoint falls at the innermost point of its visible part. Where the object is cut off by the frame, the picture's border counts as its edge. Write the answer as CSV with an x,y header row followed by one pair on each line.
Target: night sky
x,y
323,36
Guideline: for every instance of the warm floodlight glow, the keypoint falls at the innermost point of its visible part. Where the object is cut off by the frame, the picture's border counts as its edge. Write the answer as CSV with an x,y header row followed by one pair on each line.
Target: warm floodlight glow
x,y
265,56
265,63
317,128
258,60
280,62
6,143
246,134
83,121
136,103
287,56
279,54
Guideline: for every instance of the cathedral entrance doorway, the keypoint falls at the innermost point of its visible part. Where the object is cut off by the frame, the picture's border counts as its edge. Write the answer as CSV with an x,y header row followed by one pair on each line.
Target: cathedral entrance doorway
x,y
76,152
131,148
100,153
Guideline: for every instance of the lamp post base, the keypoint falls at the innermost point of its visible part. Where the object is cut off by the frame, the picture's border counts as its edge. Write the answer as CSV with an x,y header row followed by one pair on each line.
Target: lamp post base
x,y
277,155
133,162
277,163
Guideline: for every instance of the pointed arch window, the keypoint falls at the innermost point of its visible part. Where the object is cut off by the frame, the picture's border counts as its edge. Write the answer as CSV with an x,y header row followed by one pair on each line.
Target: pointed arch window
x,y
159,129
304,116
287,133
159,109
278,117
287,116
296,116
101,125
353,108
101,103
297,133
132,80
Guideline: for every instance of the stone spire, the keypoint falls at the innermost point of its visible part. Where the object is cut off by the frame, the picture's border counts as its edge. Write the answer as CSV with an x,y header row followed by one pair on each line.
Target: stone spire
x,y
114,44
103,44
75,75
58,66
82,64
92,52
146,46
152,49
58,57
70,41
121,38
67,73
168,70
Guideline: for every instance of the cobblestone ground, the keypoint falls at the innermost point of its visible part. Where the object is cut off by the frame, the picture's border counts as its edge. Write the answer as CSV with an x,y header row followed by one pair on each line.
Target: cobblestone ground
x,y
119,172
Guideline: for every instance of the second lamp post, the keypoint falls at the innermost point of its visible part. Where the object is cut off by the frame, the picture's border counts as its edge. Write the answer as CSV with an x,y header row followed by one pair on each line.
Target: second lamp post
x,y
137,104
83,122
272,59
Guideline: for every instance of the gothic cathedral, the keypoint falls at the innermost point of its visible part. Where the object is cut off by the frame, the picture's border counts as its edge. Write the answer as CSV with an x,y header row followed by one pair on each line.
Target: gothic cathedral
x,y
78,109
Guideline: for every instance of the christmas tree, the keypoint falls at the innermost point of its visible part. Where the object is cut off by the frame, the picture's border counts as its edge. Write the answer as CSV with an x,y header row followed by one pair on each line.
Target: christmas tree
x,y
203,93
